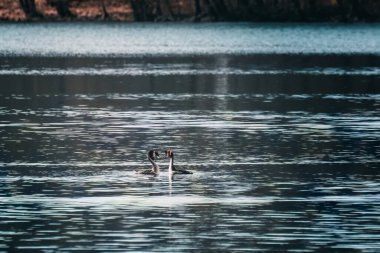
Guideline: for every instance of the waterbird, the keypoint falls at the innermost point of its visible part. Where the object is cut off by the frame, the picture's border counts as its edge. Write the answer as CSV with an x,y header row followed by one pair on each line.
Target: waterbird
x,y
172,169
152,156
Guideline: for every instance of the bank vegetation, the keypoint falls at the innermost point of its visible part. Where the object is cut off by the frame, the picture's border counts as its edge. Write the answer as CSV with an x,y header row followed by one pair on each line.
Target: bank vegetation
x,y
192,10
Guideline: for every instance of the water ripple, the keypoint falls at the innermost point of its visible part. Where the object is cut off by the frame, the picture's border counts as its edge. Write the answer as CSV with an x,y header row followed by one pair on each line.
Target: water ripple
x,y
179,69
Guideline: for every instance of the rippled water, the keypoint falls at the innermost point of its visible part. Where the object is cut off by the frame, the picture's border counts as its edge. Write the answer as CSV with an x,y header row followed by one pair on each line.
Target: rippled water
x,y
284,149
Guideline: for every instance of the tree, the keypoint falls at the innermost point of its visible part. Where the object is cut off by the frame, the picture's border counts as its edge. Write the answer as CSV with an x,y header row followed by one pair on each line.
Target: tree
x,y
151,10
29,8
163,10
139,10
104,10
62,7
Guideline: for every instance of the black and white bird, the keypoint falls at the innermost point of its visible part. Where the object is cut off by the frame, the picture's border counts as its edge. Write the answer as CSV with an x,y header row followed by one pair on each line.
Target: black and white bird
x,y
155,170
172,169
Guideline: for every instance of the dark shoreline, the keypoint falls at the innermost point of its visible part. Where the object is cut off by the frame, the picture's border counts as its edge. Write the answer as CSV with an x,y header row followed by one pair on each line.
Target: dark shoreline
x,y
187,20
340,11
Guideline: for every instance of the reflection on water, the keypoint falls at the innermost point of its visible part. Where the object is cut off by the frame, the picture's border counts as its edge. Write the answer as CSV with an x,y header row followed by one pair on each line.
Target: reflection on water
x,y
284,151
217,65
115,39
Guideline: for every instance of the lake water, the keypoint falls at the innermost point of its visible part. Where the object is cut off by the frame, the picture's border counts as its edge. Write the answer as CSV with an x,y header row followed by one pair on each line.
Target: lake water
x,y
279,124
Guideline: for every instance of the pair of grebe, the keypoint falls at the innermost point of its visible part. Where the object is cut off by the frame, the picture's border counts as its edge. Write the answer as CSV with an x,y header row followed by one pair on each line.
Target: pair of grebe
x,y
153,155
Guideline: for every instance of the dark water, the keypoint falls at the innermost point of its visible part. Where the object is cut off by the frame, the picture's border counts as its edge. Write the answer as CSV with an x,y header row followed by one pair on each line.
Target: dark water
x,y
284,147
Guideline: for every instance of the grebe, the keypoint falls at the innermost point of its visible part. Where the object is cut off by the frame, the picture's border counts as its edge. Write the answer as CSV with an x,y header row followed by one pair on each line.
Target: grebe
x,y
152,155
173,170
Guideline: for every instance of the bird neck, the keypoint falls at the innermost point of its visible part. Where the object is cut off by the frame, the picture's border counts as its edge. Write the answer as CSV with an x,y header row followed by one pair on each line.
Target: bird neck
x,y
171,164
155,166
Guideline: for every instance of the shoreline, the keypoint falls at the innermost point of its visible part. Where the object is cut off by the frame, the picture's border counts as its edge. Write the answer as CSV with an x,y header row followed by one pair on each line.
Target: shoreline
x,y
264,11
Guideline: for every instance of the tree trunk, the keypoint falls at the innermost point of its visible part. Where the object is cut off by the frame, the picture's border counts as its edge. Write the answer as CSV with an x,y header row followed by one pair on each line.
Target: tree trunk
x,y
146,10
104,10
197,10
218,10
165,9
29,8
138,10
62,7
207,10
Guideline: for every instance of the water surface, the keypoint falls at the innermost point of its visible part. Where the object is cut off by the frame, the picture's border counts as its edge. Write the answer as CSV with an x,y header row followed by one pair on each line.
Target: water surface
x,y
106,39
284,147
